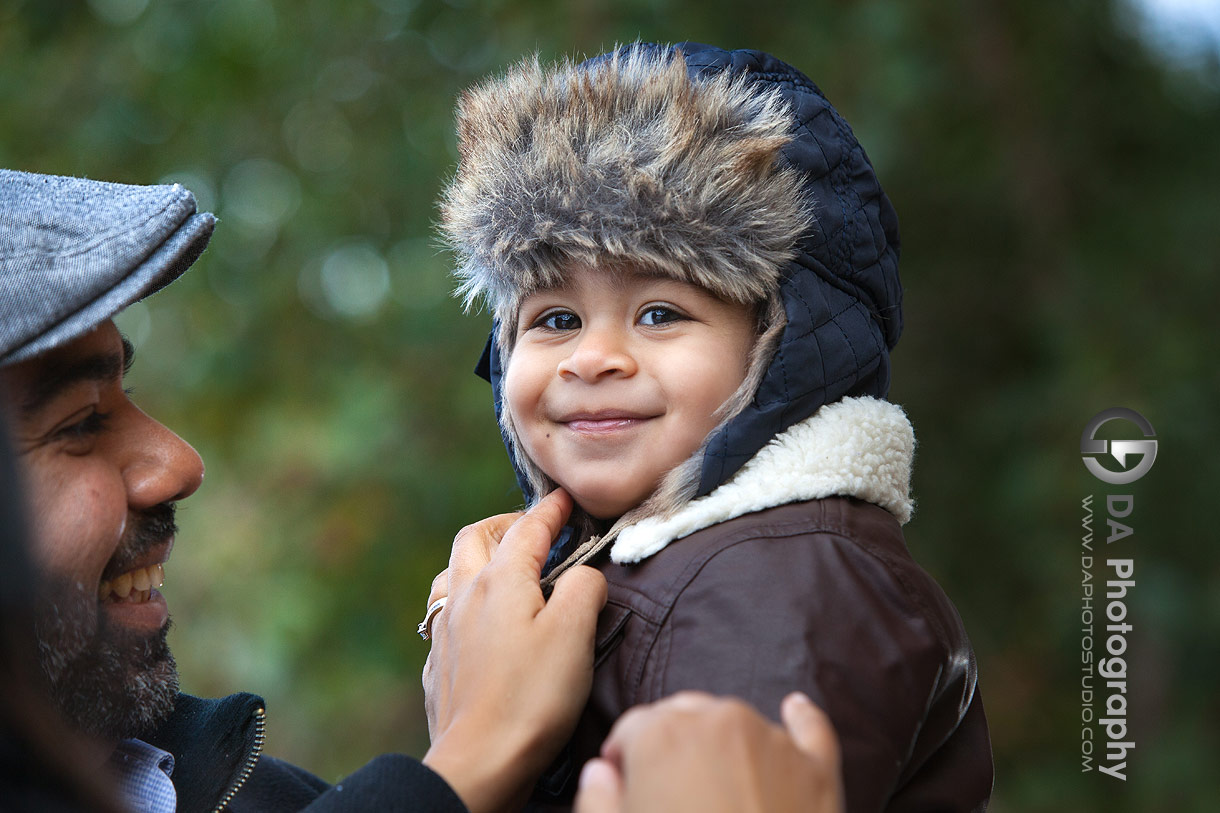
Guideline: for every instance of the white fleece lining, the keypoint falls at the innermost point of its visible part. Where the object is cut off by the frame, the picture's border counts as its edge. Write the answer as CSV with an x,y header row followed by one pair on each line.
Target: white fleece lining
x,y
855,447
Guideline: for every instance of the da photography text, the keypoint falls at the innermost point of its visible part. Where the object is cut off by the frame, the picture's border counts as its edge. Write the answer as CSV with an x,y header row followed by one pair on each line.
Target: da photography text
x,y
1107,555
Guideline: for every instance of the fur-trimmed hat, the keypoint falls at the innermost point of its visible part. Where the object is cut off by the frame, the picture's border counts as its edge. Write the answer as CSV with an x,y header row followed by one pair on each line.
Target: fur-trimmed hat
x,y
728,169
621,162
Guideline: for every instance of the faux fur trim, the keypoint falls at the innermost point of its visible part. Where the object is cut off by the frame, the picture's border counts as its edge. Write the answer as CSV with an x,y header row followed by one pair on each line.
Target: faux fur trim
x,y
856,447
625,161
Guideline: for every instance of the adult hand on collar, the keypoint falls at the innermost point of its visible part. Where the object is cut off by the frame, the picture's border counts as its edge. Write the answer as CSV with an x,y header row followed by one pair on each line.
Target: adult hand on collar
x,y
509,671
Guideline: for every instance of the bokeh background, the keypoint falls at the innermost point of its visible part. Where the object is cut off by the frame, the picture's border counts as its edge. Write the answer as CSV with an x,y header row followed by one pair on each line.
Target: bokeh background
x,y
1055,167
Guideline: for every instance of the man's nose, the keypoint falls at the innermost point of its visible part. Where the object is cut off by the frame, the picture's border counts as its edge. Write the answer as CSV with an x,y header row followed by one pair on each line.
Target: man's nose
x,y
161,467
600,352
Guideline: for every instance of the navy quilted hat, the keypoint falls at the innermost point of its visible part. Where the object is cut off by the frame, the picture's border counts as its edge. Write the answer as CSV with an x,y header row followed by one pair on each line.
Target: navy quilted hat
x,y
74,252
840,291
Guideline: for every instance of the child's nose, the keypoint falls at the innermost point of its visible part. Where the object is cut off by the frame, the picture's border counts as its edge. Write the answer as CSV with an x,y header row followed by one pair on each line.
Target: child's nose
x,y
599,353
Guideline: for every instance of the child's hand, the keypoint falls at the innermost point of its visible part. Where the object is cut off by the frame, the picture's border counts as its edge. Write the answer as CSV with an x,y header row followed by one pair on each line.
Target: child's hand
x,y
696,752
509,672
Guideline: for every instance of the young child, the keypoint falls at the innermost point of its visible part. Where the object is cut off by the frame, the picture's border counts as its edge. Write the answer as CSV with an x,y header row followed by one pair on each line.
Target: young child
x,y
693,273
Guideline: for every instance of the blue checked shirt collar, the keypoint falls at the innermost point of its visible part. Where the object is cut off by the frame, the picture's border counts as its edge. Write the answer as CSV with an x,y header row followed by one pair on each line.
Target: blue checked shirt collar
x,y
143,775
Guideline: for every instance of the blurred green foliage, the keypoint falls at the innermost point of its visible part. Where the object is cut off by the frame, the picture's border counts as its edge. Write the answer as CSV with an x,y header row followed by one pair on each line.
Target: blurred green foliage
x,y
1057,183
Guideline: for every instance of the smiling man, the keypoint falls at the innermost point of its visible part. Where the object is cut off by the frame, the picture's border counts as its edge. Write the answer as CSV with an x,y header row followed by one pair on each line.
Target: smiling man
x,y
103,478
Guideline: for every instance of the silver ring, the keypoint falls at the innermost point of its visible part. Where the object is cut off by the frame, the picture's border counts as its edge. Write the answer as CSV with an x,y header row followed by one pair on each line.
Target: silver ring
x,y
425,627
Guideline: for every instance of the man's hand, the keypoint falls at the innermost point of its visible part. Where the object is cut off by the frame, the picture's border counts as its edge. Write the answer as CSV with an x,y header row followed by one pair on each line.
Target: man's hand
x,y
694,752
509,672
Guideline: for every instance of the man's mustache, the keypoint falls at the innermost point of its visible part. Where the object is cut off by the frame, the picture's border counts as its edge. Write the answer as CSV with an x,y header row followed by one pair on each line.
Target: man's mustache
x,y
145,529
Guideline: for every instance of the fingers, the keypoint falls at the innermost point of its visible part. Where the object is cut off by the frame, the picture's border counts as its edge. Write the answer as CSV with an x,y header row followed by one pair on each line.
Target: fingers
x,y
473,547
579,593
642,721
440,587
811,729
693,751
517,539
529,540
601,788
691,700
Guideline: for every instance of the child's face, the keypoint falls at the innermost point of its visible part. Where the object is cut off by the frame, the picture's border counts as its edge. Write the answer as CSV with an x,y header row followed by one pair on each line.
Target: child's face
x,y
615,379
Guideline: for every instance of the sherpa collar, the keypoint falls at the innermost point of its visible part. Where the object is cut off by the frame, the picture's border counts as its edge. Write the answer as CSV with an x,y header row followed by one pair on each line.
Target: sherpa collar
x,y
856,447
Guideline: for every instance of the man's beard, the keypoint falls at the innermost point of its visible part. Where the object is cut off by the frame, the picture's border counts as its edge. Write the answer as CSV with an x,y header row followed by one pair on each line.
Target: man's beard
x,y
107,681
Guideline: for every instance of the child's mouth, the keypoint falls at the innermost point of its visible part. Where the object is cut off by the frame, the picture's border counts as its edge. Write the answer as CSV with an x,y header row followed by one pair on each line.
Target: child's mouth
x,y
602,422
603,425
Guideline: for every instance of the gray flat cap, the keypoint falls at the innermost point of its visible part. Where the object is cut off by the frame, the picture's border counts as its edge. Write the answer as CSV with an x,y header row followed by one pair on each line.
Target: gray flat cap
x,y
74,252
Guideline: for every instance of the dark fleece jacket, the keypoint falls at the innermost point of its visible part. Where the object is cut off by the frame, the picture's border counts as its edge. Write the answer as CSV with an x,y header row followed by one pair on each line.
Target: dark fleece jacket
x,y
218,765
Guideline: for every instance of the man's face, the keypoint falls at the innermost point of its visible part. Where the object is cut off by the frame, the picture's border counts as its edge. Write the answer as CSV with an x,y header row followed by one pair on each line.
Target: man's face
x,y
101,478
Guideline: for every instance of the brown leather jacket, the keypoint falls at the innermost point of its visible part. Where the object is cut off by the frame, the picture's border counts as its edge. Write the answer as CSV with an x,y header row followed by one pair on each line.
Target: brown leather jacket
x,y
820,596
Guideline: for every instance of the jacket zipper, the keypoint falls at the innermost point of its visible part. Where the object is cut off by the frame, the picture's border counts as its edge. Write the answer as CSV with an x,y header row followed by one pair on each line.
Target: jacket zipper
x,y
260,735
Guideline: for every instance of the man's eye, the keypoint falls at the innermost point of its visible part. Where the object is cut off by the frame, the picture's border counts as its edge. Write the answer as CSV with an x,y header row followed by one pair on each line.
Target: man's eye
x,y
86,428
559,320
659,315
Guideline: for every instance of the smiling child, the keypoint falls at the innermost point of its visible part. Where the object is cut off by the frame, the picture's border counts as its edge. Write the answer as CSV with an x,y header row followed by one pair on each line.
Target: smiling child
x,y
617,377
693,273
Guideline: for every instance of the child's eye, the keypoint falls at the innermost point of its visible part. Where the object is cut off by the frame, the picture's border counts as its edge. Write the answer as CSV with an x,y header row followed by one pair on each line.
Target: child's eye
x,y
559,321
659,315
